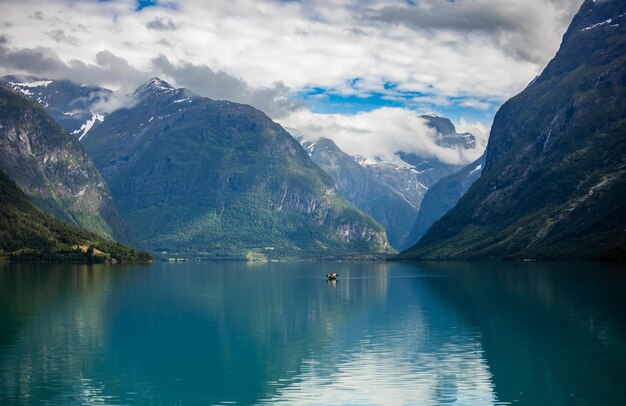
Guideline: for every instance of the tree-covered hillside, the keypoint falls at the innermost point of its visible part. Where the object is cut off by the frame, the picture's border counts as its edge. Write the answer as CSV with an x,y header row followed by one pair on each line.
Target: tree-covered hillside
x,y
28,234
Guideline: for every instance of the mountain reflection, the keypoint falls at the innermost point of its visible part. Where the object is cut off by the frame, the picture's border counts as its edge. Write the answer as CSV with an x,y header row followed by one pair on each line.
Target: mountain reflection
x,y
53,319
553,333
280,333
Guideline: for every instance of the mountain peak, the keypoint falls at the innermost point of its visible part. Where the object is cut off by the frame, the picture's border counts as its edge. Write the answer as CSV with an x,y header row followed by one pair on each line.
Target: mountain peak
x,y
154,85
440,124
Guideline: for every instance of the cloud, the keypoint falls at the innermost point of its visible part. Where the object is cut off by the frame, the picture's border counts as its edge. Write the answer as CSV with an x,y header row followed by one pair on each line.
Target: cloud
x,y
477,104
434,54
524,29
110,70
59,36
381,133
219,85
161,24
483,49
479,130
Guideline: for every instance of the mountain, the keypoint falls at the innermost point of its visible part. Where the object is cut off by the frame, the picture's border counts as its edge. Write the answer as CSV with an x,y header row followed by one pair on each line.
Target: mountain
x,y
363,189
391,191
71,105
553,183
413,174
28,234
52,168
442,197
215,179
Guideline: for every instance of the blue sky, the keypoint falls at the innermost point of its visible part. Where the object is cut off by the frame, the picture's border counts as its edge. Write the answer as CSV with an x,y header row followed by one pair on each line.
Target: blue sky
x,y
326,101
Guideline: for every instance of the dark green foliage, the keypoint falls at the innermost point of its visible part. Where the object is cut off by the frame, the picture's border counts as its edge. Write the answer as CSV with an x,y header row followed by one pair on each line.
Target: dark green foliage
x,y
554,180
27,235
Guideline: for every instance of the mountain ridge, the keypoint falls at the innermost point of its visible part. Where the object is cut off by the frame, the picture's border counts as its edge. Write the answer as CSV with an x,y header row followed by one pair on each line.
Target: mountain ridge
x,y
72,106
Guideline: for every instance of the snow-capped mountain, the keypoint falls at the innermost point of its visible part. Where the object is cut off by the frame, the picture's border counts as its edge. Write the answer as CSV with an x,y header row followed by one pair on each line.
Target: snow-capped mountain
x,y
71,105
363,188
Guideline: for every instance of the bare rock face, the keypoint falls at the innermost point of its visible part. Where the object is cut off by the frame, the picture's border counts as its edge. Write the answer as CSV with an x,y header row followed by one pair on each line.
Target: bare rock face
x,y
52,168
215,179
554,180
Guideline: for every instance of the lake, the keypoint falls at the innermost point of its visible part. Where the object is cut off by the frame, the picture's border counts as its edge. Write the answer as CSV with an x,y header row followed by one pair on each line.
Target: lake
x,y
247,333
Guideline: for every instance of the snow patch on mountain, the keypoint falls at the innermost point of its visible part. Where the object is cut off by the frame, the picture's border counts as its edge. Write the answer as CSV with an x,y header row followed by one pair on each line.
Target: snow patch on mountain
x,y
478,168
37,83
84,129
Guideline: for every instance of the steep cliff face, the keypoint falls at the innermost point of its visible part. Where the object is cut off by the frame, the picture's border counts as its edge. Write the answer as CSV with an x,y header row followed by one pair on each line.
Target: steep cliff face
x,y
52,168
364,189
219,179
442,197
553,184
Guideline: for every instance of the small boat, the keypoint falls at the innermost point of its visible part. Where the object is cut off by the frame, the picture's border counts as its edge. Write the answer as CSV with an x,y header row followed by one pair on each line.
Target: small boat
x,y
332,276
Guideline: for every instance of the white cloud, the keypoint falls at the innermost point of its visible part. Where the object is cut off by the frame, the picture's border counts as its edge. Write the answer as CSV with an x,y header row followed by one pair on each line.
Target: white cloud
x,y
315,43
524,29
382,133
470,54
477,104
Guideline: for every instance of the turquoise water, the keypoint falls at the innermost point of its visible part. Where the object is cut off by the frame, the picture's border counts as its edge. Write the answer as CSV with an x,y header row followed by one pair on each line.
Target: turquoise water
x,y
384,333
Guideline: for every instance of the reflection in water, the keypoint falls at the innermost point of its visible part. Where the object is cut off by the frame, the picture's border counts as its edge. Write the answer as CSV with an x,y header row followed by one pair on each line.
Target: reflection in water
x,y
282,333
552,333
58,324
